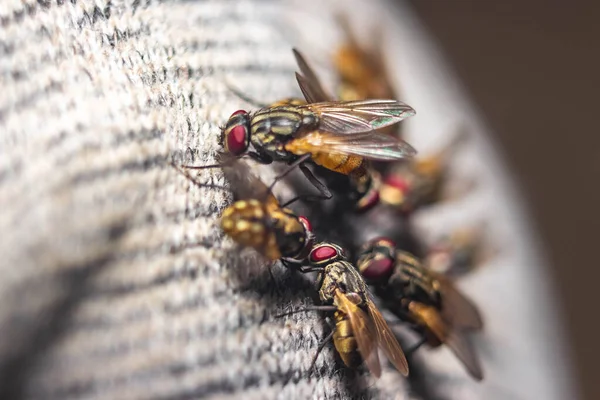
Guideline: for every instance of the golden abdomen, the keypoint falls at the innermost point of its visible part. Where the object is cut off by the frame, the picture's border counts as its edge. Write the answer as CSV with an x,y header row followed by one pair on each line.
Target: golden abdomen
x,y
344,341
243,221
338,162
342,163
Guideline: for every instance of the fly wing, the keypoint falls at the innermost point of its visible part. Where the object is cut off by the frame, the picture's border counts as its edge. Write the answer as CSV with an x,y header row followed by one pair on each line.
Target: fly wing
x,y
244,184
430,318
359,116
455,339
309,82
372,145
364,332
463,349
456,308
387,340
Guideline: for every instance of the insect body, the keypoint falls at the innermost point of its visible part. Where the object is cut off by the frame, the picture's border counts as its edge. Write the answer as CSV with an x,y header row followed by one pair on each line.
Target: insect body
x,y
338,135
427,300
257,220
273,231
360,329
361,186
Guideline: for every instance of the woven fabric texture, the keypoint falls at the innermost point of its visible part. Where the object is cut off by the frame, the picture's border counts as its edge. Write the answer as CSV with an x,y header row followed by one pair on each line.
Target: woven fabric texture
x,y
116,280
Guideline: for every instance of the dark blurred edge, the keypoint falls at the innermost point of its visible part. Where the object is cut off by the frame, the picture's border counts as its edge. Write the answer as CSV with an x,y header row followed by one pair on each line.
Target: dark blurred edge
x,y
532,67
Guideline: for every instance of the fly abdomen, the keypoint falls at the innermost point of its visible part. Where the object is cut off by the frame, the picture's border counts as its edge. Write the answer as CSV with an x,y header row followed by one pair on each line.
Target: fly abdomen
x,y
345,342
342,163
417,284
244,221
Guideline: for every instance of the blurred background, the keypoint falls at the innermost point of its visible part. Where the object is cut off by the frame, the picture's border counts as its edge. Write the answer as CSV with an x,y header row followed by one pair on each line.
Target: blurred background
x,y
532,69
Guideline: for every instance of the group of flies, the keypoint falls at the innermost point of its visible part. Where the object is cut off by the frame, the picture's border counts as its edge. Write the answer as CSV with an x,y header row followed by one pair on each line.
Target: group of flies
x,y
347,145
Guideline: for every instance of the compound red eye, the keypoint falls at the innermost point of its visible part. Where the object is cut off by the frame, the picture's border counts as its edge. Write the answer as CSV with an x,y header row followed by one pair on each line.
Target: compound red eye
x,y
377,269
237,140
306,223
237,133
322,253
238,112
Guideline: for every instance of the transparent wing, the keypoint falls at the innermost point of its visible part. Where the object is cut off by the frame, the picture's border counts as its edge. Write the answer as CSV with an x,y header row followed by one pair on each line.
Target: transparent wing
x,y
373,145
358,116
456,308
430,318
458,343
244,184
309,83
463,349
364,332
387,340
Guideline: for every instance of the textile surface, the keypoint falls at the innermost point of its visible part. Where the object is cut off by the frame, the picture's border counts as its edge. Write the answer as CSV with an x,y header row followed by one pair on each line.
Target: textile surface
x,y
117,282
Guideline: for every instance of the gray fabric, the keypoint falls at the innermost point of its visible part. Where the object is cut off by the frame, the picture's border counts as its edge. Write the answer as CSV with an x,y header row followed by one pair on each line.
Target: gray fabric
x,y
116,281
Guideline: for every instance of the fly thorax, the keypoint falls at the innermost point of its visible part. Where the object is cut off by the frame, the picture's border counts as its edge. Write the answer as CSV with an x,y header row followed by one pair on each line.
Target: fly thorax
x,y
416,284
327,289
290,233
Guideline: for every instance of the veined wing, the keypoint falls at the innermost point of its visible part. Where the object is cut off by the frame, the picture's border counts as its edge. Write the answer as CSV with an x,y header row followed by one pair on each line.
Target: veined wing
x,y
387,340
363,330
309,83
358,116
373,145
244,184
456,340
463,349
430,318
456,308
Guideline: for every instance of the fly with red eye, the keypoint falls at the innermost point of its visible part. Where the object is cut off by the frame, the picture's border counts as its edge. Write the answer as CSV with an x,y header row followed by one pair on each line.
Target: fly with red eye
x,y
236,137
426,300
337,135
257,220
360,329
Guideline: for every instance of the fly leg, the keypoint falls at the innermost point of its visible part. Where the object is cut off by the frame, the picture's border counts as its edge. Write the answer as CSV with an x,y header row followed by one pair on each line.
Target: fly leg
x,y
306,269
320,348
323,190
305,309
273,280
289,169
299,267
194,180
320,186
255,156
243,96
325,194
